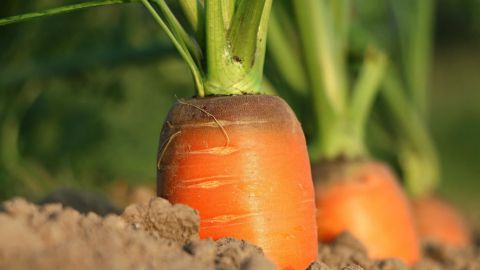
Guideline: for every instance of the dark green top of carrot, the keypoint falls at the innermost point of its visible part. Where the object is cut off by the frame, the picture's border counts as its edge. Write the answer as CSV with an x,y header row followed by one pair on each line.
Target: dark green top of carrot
x,y
224,49
340,106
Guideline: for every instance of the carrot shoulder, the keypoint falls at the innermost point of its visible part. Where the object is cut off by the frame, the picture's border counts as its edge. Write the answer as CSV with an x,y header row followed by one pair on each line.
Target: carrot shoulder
x,y
242,162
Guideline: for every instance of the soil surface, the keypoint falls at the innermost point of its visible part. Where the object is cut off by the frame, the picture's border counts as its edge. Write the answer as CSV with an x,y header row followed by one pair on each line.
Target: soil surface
x,y
158,235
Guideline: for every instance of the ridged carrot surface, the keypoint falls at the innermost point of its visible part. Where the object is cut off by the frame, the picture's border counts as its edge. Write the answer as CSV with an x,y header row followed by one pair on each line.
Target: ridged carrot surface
x,y
242,162
439,222
365,199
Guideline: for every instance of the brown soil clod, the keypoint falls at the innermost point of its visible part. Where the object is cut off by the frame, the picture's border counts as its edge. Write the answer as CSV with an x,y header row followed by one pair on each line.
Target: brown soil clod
x,y
156,235
160,219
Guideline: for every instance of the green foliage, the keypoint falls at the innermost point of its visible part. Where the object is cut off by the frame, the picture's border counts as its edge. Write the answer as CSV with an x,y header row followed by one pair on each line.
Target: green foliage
x,y
100,98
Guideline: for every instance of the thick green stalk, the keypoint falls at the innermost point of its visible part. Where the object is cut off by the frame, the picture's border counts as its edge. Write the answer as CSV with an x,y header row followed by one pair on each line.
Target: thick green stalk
x,y
60,10
244,30
235,53
328,79
216,44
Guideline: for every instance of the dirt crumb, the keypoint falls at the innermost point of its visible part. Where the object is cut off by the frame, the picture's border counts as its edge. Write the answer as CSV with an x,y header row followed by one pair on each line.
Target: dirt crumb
x,y
239,254
161,219
318,266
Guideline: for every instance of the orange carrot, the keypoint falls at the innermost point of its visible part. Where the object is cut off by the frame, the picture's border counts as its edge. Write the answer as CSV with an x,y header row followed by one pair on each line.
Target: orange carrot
x,y
243,163
365,199
438,221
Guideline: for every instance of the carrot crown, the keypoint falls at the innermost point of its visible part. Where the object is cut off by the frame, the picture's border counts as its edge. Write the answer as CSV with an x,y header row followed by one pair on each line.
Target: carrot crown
x,y
224,47
340,107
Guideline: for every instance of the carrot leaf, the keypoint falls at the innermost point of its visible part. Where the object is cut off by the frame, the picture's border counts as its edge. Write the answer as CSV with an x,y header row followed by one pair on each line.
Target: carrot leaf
x,y
60,10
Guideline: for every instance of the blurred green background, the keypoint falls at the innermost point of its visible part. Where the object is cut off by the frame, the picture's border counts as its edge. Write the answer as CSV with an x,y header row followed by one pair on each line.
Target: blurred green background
x,y
83,97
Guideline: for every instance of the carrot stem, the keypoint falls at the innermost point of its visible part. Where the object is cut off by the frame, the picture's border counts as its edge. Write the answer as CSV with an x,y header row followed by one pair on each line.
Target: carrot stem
x,y
415,22
235,48
365,90
340,113
416,151
405,96
286,56
180,45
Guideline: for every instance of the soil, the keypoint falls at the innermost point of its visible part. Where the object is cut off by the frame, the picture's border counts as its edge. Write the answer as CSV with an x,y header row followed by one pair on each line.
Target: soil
x,y
158,235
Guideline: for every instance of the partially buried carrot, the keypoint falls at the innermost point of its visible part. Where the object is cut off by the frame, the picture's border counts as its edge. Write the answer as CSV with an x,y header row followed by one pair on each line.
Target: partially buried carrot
x,y
438,221
242,162
364,198
236,156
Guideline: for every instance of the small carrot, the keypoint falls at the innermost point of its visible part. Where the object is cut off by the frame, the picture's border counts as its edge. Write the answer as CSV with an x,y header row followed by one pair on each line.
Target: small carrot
x,y
405,121
365,199
439,222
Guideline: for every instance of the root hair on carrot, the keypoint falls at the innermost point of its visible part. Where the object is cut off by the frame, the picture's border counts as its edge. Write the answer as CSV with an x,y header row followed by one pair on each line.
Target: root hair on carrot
x,y
227,143
165,146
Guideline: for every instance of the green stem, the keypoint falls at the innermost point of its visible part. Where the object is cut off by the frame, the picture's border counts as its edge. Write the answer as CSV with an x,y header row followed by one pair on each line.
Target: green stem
x,y
235,55
60,10
364,93
244,31
284,54
195,13
417,154
216,43
341,10
327,79
419,54
178,30
414,20
181,47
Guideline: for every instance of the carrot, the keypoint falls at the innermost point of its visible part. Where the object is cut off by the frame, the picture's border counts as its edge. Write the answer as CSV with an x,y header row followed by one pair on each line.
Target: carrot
x,y
365,199
237,156
358,194
243,163
406,119
438,221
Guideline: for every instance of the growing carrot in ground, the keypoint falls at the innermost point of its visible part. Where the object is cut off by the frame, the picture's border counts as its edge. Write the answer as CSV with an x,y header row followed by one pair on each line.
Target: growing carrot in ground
x,y
354,192
405,117
438,221
237,156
